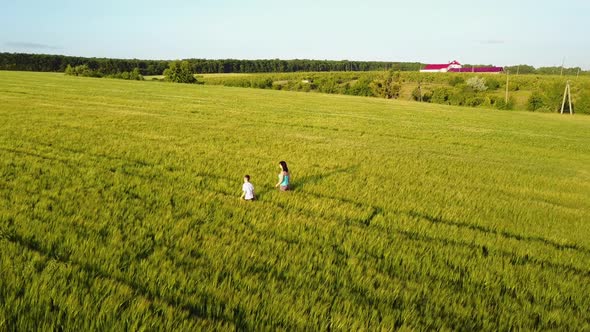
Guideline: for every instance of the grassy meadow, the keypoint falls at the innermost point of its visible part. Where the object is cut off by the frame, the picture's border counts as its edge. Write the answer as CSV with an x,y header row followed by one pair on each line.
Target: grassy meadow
x,y
120,210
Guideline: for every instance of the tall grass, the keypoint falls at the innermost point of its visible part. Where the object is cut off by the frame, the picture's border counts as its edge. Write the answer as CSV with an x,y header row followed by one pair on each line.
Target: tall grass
x,y
119,210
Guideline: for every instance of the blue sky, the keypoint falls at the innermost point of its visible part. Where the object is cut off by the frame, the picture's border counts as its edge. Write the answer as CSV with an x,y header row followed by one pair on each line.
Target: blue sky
x,y
500,32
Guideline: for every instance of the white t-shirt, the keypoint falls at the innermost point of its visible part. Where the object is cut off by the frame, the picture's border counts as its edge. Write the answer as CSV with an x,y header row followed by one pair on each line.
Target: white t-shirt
x,y
248,188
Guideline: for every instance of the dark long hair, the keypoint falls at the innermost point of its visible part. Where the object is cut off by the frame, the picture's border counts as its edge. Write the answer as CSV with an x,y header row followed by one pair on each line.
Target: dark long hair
x,y
284,166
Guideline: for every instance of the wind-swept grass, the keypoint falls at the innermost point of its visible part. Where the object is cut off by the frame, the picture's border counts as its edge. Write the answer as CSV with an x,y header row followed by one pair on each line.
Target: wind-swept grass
x,y
119,210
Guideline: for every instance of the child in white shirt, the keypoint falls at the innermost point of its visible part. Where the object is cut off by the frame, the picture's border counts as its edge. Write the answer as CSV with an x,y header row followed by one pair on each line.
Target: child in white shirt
x,y
248,189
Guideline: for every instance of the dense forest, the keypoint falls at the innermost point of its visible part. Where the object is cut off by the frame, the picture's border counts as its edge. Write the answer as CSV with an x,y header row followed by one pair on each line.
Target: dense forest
x,y
106,66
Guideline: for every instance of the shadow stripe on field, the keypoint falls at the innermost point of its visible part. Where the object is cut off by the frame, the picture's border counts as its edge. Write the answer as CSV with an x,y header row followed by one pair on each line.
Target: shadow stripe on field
x,y
195,311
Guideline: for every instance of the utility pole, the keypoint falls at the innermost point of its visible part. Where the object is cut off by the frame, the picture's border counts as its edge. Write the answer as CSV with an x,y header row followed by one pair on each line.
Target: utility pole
x,y
562,63
567,93
507,87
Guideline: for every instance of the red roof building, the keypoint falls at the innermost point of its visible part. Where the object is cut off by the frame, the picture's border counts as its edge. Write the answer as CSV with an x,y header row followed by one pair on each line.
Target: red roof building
x,y
488,70
456,67
441,68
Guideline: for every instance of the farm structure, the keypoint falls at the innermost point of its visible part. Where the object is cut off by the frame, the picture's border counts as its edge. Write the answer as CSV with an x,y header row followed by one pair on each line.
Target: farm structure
x,y
456,67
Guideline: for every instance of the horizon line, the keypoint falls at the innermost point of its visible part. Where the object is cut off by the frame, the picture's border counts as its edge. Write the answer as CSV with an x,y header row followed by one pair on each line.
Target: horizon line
x,y
283,59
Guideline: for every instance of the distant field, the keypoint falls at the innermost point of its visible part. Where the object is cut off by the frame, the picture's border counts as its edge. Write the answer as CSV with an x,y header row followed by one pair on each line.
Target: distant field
x,y
119,210
160,77
222,75
154,77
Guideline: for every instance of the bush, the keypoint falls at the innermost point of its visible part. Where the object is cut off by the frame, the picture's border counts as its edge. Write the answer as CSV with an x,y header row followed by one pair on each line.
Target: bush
x,y
553,96
362,87
583,102
441,95
180,72
455,80
475,101
458,97
134,75
487,102
535,102
329,85
426,94
492,83
477,84
261,83
389,86
501,103
377,88
82,70
70,70
393,85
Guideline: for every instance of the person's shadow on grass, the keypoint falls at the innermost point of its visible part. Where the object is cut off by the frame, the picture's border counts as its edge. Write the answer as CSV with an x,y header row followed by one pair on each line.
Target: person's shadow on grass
x,y
299,183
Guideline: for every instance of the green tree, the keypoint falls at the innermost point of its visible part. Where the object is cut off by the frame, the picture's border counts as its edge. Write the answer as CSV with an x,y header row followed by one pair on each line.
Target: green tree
x,y
389,86
136,75
70,71
393,85
180,72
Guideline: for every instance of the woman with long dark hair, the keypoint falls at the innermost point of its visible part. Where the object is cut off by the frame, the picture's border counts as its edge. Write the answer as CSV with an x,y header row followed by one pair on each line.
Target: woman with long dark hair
x,y
284,177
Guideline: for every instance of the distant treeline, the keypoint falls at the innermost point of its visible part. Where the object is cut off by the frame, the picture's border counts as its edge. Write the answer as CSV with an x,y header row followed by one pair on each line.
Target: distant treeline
x,y
105,66
526,69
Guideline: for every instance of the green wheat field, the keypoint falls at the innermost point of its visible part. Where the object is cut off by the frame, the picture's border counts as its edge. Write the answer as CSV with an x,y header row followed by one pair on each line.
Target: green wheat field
x,y
120,210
